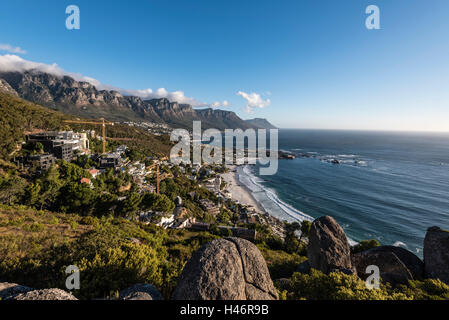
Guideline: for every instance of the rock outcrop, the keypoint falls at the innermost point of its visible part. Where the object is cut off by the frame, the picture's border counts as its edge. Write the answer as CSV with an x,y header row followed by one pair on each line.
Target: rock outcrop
x,y
436,254
141,291
328,249
414,264
391,268
10,290
6,88
45,294
226,269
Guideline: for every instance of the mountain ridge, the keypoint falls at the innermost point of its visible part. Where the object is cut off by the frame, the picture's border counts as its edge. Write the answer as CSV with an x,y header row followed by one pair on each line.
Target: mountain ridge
x,y
83,99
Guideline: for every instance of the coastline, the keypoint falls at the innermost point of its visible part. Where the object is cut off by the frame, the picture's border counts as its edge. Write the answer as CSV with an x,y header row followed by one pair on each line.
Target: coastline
x,y
271,206
239,191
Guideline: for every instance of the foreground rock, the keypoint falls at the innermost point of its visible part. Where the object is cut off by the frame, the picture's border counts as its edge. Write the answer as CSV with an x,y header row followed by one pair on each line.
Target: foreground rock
x,y
9,290
226,269
392,269
45,294
141,291
436,254
414,264
328,249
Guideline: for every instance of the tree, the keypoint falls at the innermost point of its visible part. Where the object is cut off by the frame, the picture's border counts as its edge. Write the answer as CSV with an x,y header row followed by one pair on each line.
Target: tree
x,y
224,216
291,242
163,204
50,185
76,197
33,195
11,188
130,205
305,229
157,202
365,245
72,172
105,204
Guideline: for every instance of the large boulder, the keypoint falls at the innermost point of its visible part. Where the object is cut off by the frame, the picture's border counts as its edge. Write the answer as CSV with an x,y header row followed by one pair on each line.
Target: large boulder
x,y
9,290
328,249
45,294
141,291
391,268
414,264
226,269
436,254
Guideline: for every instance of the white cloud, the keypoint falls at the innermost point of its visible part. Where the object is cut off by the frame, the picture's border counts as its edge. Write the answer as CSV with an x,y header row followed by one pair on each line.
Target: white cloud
x,y
177,96
9,63
9,48
254,100
218,104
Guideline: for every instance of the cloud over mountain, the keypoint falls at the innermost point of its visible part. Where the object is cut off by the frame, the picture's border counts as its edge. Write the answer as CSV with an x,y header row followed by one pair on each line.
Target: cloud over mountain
x,y
10,63
177,96
254,100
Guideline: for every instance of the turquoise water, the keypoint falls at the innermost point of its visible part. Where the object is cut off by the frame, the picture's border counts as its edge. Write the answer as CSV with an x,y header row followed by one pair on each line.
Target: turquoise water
x,y
388,186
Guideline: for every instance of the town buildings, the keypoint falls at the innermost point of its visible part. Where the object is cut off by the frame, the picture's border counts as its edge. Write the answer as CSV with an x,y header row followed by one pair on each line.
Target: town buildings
x,y
62,145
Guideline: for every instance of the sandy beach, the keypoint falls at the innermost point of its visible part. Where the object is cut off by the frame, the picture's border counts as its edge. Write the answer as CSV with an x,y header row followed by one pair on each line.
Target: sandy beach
x,y
239,191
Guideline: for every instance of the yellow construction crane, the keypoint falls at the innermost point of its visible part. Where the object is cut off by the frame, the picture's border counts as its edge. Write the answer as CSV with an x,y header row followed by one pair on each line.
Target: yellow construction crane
x,y
103,124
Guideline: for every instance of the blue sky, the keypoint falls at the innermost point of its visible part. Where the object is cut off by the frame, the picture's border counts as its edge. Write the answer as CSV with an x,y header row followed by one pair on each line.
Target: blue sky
x,y
314,60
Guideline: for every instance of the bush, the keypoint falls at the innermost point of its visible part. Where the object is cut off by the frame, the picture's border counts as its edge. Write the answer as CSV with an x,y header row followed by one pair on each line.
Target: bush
x,y
280,263
89,221
429,289
35,227
117,268
53,220
338,286
365,245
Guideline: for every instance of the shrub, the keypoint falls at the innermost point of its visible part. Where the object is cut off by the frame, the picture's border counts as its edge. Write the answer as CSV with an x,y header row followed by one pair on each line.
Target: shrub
x,y
338,286
117,268
429,289
34,227
53,220
89,221
365,245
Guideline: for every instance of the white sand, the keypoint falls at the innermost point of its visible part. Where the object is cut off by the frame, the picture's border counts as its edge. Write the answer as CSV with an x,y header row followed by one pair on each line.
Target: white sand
x,y
239,191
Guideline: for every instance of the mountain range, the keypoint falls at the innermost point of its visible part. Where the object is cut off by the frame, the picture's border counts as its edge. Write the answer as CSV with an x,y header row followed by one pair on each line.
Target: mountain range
x,y
82,99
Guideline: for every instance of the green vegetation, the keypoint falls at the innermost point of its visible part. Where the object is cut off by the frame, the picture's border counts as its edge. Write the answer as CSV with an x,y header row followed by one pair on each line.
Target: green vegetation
x,y
365,245
19,117
339,286
50,221
37,246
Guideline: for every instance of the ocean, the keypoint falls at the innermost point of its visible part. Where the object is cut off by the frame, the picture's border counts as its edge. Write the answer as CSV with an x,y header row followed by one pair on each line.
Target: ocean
x,y
387,186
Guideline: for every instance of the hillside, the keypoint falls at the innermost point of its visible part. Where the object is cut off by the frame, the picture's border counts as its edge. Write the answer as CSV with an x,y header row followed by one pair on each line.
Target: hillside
x,y
84,100
261,123
19,116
